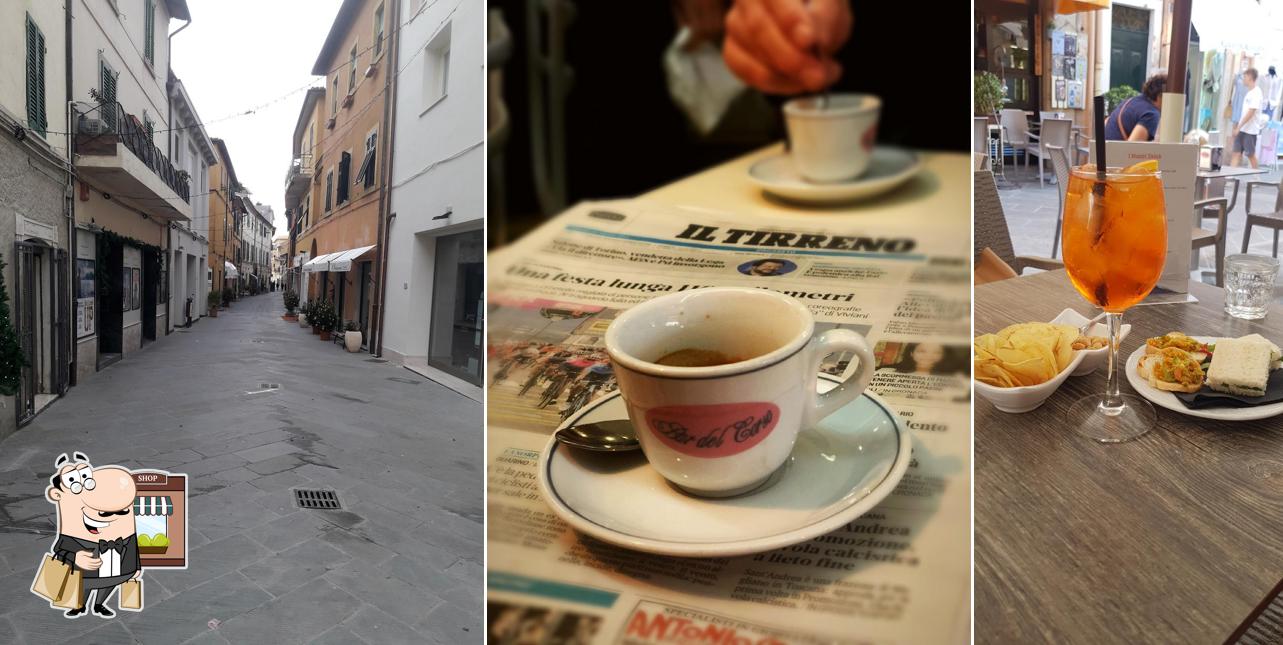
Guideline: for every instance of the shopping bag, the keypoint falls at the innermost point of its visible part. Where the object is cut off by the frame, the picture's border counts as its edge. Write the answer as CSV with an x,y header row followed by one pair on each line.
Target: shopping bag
x,y
73,594
51,578
131,596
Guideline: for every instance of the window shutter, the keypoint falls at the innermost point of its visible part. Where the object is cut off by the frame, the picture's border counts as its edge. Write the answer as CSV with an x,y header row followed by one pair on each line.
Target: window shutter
x,y
149,48
37,119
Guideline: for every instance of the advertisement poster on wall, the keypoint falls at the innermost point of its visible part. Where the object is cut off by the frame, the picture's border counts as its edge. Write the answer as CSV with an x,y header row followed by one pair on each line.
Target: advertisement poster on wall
x,y
86,289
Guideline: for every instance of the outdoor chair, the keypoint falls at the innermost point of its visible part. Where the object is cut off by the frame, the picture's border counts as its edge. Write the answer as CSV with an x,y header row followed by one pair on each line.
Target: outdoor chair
x,y
991,228
1272,219
980,134
1016,126
1059,157
979,159
1201,238
1054,132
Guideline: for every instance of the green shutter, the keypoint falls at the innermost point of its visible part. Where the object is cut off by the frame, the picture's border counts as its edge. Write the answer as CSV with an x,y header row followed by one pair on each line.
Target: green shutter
x,y
37,119
108,94
150,32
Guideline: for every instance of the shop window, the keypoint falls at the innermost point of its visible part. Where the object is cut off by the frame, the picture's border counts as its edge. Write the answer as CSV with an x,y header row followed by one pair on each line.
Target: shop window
x,y
1005,38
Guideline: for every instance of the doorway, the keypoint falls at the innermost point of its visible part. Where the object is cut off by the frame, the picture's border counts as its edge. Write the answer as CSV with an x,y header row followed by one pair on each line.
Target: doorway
x,y
363,301
1128,47
110,273
454,342
151,278
40,318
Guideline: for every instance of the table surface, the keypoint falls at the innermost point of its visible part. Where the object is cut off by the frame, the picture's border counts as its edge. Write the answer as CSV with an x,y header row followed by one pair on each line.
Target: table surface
x,y
1231,171
1173,537
936,197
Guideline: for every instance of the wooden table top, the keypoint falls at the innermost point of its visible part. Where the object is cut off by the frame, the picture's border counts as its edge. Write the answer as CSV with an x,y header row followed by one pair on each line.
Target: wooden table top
x,y
1171,538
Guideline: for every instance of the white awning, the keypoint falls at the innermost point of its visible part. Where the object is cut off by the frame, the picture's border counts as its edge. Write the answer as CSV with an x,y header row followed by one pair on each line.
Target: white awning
x,y
319,263
229,270
342,261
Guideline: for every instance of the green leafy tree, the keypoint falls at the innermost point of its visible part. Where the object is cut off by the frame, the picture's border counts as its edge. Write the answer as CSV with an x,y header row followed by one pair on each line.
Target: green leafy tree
x,y
11,359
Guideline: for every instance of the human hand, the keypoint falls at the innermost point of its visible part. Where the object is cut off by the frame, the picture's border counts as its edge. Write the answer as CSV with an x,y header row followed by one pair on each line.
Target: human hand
x,y
87,560
786,46
705,19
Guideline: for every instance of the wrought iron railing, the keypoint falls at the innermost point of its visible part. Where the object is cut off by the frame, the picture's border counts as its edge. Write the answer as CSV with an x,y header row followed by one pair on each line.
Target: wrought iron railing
x,y
112,119
300,166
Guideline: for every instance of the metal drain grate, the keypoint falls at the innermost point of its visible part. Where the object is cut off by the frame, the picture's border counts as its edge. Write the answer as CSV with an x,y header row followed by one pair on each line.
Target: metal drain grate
x,y
1265,624
317,498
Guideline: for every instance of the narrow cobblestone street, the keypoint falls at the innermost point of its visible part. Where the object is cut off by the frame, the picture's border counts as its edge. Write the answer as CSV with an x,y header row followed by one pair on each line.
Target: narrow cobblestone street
x,y
401,563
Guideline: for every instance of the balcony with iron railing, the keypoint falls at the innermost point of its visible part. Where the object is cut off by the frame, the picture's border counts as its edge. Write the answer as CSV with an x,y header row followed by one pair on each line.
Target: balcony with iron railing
x,y
115,152
298,179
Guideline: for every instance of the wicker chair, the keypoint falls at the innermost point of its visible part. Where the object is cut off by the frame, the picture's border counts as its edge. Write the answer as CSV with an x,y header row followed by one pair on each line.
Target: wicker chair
x,y
991,228
1201,238
1060,166
1270,219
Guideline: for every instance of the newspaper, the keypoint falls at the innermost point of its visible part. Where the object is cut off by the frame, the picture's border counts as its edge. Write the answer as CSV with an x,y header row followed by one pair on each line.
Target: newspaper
x,y
898,574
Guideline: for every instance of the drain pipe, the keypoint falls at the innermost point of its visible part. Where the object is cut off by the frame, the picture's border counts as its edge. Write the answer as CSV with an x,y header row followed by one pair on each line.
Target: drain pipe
x,y
70,209
385,196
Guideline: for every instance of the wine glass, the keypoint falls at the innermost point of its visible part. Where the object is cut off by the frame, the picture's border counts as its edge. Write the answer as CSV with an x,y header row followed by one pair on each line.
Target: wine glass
x,y
1114,247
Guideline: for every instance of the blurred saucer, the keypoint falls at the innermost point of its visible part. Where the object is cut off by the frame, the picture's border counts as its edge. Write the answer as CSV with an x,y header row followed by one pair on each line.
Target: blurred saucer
x,y
888,168
837,472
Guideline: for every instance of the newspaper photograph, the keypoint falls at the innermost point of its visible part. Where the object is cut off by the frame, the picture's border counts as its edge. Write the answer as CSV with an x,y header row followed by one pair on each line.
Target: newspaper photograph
x,y
898,574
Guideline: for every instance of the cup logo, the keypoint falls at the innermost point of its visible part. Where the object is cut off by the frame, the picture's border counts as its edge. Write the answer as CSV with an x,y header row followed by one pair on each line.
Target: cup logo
x,y
870,136
712,431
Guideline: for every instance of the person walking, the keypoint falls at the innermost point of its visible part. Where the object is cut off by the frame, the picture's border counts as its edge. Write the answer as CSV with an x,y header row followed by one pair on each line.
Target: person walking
x,y
1249,125
1136,119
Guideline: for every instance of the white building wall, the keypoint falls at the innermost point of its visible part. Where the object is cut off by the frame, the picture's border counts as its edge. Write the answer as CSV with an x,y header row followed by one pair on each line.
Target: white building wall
x,y
119,36
49,17
454,126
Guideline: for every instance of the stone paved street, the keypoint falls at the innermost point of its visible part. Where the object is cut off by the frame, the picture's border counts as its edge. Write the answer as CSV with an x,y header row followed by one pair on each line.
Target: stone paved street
x,y
1032,211
402,563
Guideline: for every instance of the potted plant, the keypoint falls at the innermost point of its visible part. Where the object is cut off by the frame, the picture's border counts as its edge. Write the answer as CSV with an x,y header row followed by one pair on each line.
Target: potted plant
x,y
352,337
215,297
324,319
291,303
304,311
989,95
1116,95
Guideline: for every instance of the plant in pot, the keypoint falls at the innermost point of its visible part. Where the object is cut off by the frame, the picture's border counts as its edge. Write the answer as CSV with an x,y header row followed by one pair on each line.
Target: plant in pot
x,y
291,303
324,319
989,95
1116,95
352,336
215,297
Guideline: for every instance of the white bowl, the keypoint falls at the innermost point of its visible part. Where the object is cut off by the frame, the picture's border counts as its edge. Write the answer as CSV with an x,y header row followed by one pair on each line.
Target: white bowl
x,y
1093,359
1029,397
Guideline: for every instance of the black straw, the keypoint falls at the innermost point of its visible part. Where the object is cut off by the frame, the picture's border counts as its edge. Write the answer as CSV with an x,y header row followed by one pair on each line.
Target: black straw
x,y
1098,106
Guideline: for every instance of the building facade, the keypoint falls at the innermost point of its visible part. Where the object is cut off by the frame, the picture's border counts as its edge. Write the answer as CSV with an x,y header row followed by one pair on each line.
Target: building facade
x,y
193,154
341,239
129,192
34,204
433,316
300,183
224,222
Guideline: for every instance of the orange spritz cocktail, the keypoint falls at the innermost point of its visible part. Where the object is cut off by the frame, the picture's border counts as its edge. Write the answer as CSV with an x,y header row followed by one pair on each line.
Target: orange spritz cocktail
x,y
1115,238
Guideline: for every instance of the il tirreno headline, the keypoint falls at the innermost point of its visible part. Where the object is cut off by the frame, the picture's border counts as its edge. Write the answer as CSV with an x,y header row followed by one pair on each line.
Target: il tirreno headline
x,y
538,273
785,239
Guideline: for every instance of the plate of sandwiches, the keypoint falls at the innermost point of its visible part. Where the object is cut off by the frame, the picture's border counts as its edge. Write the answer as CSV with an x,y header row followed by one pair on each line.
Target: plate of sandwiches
x,y
1228,379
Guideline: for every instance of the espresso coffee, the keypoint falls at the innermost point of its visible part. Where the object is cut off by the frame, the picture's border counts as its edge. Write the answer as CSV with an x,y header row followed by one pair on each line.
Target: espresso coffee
x,y
692,357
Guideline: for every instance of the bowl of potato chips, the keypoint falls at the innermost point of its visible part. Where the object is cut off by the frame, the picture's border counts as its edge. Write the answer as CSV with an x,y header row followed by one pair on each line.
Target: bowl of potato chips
x,y
1019,367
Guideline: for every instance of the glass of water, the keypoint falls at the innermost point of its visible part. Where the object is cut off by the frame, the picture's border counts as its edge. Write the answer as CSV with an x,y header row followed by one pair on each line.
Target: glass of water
x,y
1249,285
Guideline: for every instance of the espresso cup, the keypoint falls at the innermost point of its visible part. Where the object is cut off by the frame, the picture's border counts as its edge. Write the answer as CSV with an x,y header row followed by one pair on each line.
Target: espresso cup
x,y
723,429
832,137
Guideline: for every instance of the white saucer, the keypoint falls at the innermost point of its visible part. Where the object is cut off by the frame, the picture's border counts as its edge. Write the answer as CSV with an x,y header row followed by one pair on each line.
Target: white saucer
x,y
1168,400
888,168
837,472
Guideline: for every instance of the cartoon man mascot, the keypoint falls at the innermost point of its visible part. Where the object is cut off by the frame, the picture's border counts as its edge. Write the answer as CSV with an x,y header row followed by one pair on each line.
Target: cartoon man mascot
x,y
96,533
